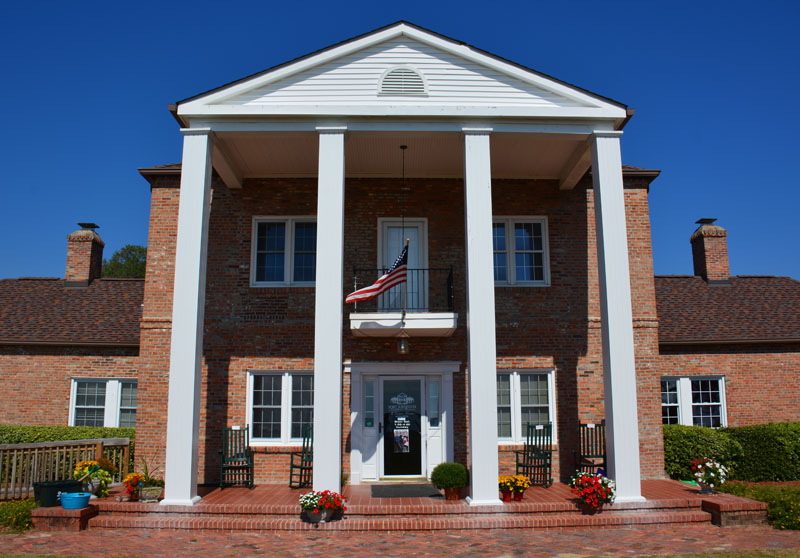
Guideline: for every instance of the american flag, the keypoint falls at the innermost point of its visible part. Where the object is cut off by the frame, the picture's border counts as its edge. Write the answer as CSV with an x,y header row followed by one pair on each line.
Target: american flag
x,y
395,275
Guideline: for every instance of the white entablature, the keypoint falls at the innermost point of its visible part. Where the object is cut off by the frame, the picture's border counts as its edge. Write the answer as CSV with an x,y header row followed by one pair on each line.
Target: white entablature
x,y
345,80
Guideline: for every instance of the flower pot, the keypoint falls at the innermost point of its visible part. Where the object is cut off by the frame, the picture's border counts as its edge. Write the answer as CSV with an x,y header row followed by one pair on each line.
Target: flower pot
x,y
150,493
506,495
321,516
589,509
92,486
704,488
518,495
452,493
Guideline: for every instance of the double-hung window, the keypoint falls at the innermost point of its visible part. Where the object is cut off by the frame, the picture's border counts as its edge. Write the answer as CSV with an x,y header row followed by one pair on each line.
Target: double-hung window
x,y
280,405
103,403
523,397
284,251
520,251
697,401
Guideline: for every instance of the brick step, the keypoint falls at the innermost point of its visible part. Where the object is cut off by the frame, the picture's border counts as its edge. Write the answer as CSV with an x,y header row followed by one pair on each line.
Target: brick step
x,y
391,510
397,523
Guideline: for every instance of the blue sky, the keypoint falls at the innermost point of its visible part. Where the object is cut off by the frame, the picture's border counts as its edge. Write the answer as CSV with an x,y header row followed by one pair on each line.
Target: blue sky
x,y
85,87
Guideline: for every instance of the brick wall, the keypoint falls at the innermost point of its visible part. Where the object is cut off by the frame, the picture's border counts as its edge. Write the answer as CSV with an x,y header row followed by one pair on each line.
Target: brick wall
x,y
35,380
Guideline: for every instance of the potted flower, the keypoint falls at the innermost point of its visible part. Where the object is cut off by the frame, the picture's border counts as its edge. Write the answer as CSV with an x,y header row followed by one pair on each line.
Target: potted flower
x,y
144,486
96,474
452,477
708,474
594,490
133,482
521,483
506,484
322,506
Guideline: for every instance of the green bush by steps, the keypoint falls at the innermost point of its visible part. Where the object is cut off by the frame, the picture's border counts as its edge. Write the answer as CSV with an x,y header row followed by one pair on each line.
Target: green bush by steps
x,y
783,502
24,434
682,444
771,452
762,452
16,514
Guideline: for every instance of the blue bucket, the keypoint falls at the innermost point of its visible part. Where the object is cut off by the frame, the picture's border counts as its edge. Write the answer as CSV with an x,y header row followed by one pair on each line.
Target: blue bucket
x,y
75,500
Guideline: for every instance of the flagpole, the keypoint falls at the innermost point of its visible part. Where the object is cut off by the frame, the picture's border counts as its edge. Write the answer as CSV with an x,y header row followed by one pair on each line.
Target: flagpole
x,y
405,284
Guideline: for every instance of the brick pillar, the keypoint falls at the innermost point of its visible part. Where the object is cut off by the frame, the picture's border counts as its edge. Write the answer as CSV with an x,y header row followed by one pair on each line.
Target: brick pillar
x,y
710,252
84,257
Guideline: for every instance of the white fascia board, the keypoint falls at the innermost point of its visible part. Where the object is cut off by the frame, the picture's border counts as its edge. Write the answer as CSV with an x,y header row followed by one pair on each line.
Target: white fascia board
x,y
196,106
409,110
583,127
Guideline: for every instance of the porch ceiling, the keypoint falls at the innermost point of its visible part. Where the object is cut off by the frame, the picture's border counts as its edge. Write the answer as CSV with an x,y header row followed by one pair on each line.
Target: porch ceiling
x,y
377,154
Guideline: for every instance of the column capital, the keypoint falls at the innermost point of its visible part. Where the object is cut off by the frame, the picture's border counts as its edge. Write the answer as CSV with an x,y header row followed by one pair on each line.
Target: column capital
x,y
197,131
607,134
331,129
473,131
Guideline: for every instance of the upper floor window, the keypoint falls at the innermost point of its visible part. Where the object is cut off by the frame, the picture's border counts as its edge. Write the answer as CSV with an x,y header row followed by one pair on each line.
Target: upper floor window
x,y
284,251
103,403
523,397
520,251
698,401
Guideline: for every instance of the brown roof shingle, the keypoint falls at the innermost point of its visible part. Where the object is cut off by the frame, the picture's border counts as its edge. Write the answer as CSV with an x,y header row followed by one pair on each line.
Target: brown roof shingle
x,y
41,310
750,309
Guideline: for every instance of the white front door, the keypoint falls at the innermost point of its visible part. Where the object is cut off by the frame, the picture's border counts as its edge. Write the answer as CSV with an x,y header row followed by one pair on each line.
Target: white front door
x,y
393,236
402,424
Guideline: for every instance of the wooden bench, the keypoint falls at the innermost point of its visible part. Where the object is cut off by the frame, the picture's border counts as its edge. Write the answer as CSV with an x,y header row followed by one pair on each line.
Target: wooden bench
x,y
535,460
591,452
301,464
237,458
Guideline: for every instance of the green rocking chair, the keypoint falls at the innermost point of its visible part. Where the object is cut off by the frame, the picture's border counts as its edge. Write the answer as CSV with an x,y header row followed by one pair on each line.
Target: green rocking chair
x,y
301,464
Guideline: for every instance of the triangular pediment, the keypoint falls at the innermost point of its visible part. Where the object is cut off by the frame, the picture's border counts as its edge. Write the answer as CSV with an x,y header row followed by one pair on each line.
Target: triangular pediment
x,y
370,75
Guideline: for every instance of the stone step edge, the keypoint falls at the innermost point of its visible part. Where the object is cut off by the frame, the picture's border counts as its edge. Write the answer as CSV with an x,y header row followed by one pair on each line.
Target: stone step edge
x,y
394,509
403,524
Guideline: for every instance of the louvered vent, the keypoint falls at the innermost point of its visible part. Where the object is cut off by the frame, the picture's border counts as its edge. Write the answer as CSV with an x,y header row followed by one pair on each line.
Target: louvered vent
x,y
402,81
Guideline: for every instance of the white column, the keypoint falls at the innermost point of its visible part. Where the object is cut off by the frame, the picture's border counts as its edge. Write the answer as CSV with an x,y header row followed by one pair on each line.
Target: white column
x,y
619,370
480,318
328,312
188,311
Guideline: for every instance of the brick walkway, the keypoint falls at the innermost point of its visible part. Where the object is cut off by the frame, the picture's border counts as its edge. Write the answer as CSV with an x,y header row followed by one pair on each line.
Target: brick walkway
x,y
571,543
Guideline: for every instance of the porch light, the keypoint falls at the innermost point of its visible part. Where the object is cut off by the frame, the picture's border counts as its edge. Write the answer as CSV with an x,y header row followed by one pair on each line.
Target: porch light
x,y
402,343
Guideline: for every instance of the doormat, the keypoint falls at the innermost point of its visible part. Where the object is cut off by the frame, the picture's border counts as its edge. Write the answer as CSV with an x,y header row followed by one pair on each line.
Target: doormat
x,y
405,491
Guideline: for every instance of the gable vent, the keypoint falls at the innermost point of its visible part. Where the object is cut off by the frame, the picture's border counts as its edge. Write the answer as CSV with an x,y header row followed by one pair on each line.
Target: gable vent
x,y
402,81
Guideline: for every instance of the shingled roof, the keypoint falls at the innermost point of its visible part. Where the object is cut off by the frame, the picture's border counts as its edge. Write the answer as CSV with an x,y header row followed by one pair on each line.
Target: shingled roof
x,y
751,309
43,311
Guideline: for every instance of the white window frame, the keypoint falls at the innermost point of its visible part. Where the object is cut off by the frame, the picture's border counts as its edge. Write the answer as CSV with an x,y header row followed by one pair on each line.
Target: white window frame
x,y
113,398
511,272
517,434
685,404
288,267
286,406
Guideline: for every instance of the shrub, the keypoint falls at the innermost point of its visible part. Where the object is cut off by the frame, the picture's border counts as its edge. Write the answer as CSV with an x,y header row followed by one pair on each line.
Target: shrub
x,y
771,452
16,514
449,475
682,444
25,434
783,502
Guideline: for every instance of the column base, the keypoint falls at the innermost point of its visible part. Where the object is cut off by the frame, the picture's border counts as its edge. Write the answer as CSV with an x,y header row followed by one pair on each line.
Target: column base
x,y
629,499
180,501
473,502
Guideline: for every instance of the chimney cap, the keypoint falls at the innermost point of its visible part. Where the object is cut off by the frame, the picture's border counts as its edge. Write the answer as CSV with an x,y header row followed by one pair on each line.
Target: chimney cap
x,y
706,221
89,226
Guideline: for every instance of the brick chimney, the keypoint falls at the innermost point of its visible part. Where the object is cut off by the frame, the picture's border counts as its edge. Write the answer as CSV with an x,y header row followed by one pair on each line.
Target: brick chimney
x,y
710,252
84,256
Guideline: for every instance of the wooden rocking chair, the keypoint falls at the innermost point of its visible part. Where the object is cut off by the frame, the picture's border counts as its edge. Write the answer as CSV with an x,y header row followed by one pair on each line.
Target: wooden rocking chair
x,y
301,465
535,460
237,458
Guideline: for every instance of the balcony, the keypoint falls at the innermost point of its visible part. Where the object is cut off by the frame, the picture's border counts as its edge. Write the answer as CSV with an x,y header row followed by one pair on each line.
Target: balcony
x,y
421,307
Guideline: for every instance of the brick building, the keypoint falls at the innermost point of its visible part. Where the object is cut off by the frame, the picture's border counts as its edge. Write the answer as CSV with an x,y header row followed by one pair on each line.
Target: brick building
x,y
530,295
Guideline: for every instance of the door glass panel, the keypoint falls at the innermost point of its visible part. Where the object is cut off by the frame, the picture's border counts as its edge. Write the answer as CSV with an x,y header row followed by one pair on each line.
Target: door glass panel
x,y
433,404
402,440
369,404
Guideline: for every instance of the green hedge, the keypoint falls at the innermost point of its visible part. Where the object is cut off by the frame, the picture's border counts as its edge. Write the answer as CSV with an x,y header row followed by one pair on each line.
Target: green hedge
x,y
771,451
23,434
762,452
783,502
682,444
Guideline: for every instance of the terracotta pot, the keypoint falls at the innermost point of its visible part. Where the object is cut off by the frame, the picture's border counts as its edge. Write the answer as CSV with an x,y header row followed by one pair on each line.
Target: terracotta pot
x,y
452,493
518,496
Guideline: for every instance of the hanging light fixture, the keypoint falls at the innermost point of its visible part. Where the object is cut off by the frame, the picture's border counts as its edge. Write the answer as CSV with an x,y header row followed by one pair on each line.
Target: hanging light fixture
x,y
402,343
